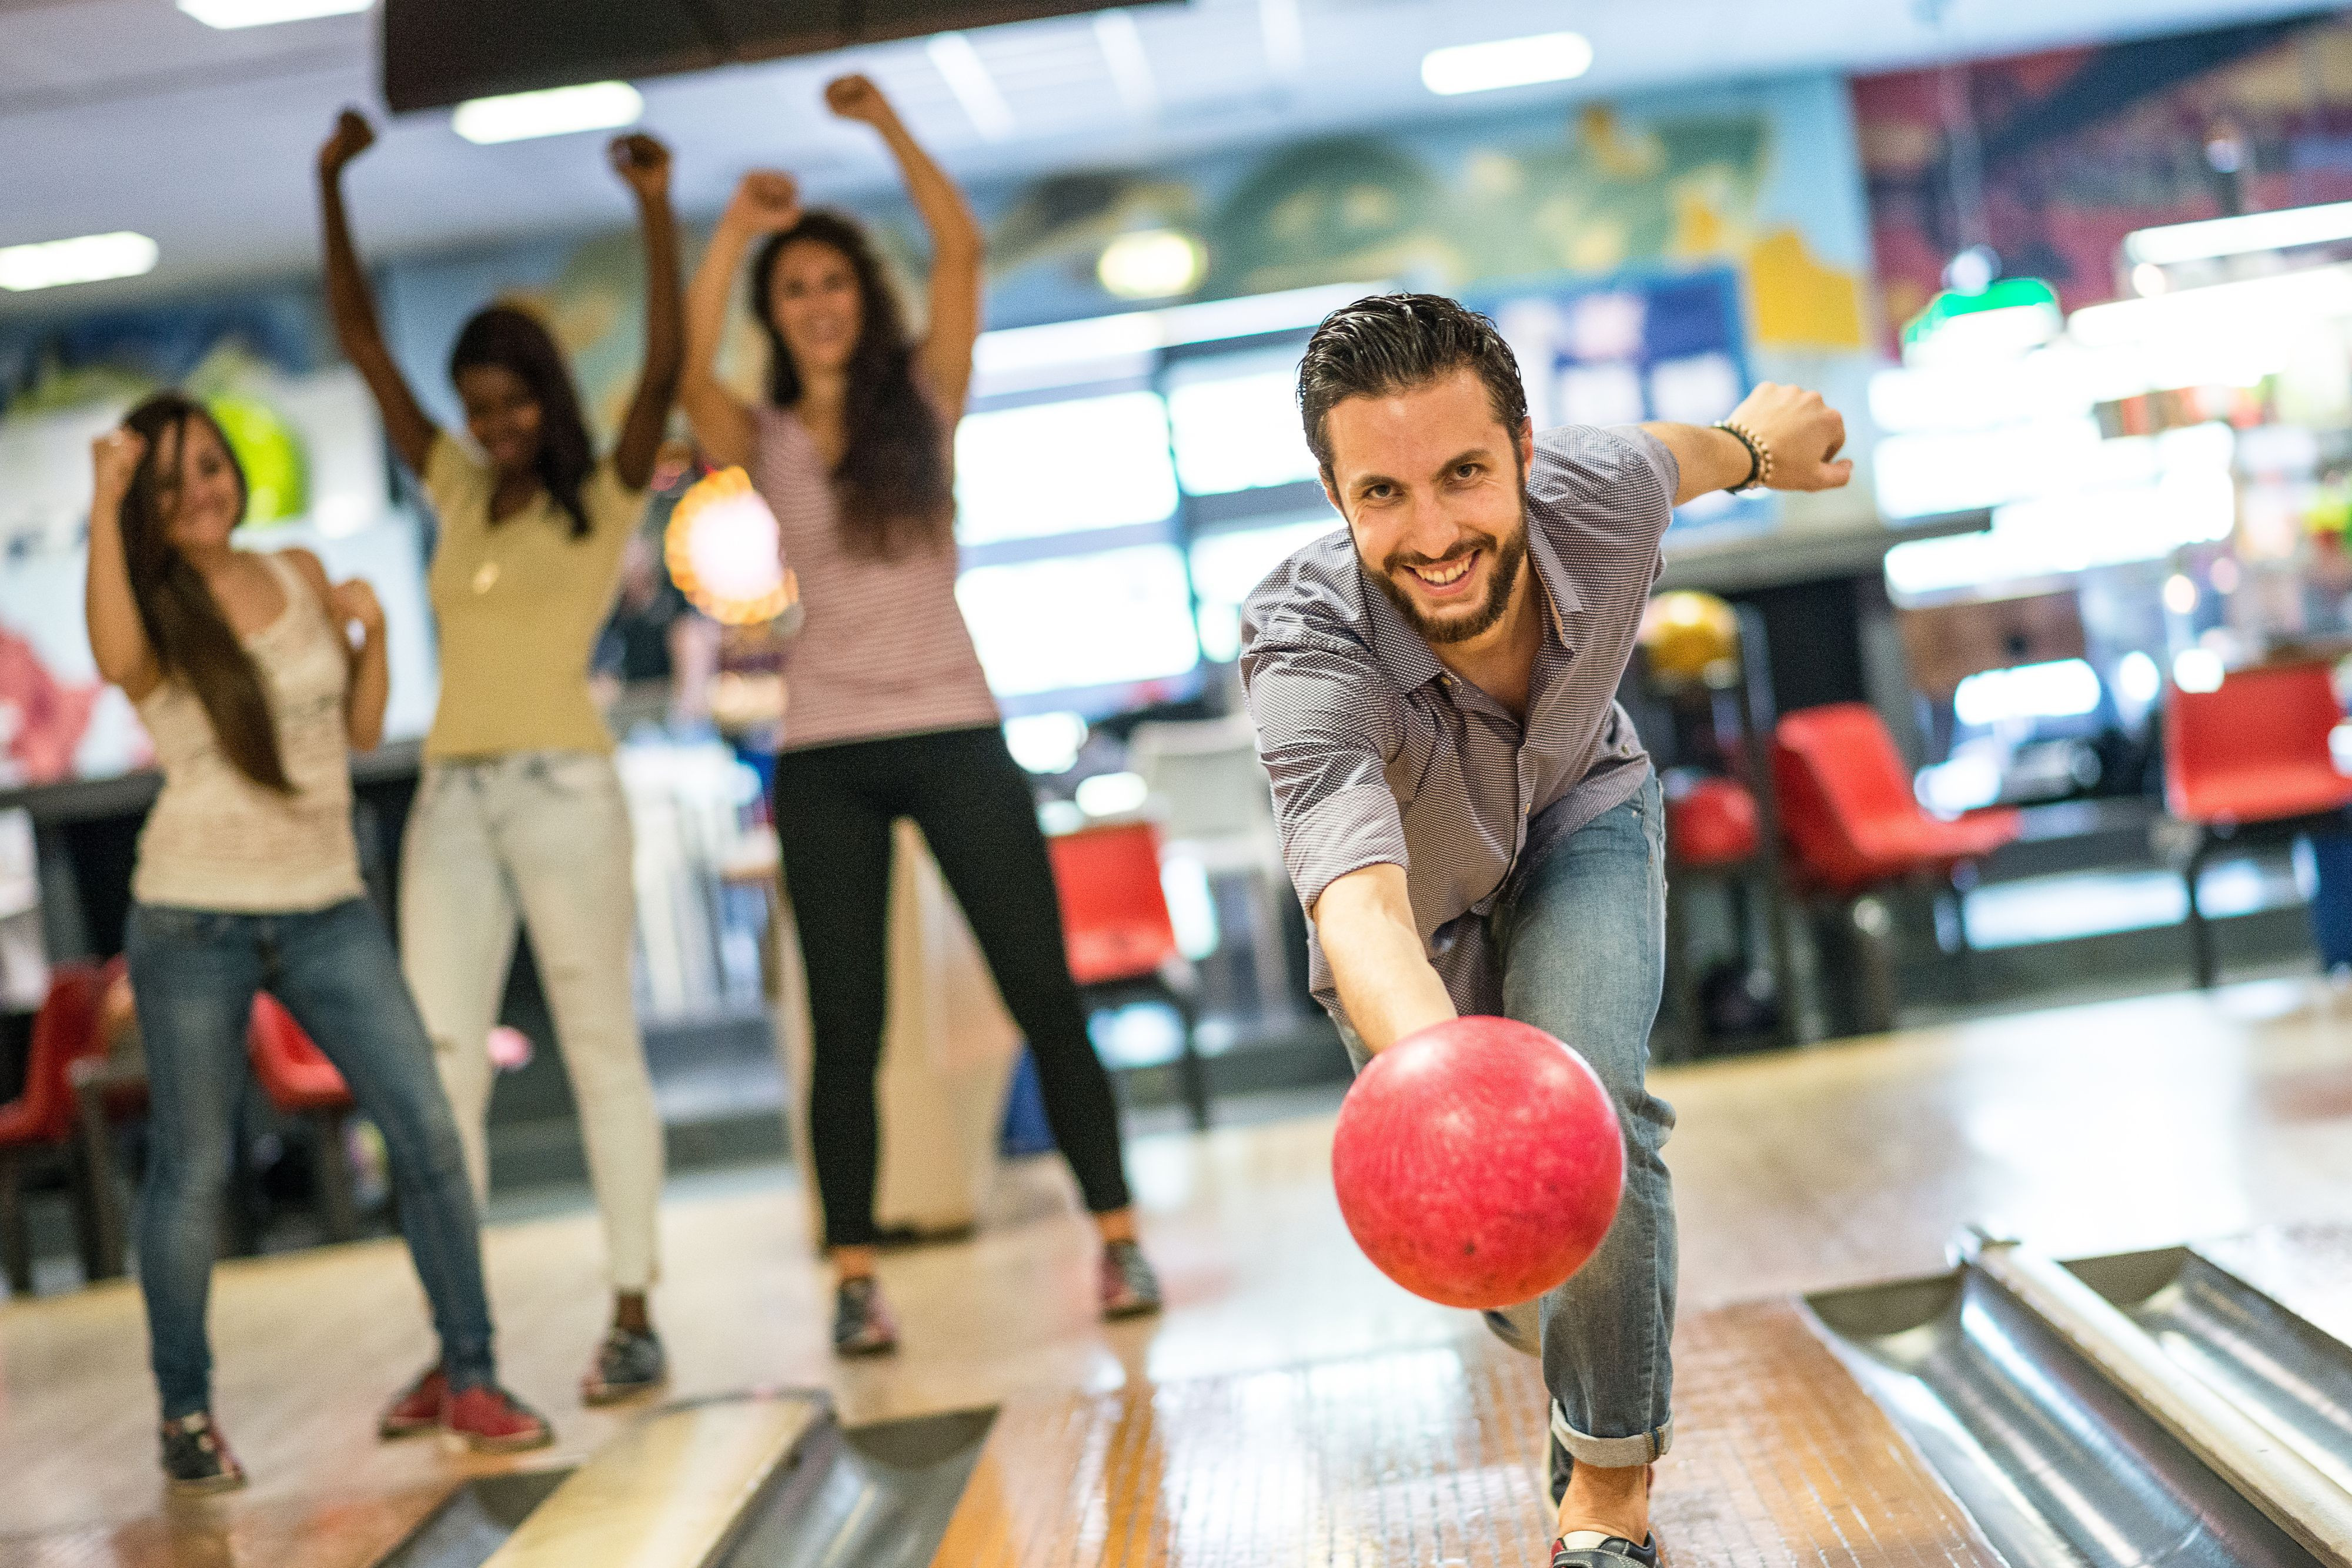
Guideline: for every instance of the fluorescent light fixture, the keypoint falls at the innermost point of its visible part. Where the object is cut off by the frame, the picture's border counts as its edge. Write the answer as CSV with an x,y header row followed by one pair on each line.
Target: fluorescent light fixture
x,y
1152,264
90,258
1130,67
2215,237
2062,688
556,111
227,14
967,77
2291,301
1506,62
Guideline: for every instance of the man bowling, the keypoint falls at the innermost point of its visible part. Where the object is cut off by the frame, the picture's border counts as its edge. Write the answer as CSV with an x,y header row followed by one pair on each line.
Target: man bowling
x,y
1466,814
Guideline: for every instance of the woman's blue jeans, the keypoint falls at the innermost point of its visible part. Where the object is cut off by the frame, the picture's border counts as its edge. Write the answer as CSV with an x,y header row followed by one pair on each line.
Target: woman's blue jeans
x,y
194,973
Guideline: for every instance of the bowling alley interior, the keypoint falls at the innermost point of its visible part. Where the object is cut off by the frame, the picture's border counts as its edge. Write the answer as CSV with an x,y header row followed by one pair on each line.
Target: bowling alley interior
x,y
745,822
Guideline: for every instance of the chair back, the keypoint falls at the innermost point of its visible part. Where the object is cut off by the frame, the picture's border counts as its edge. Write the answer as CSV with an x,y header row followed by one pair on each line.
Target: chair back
x,y
2256,748
1846,808
1207,775
1115,924
64,1031
291,1069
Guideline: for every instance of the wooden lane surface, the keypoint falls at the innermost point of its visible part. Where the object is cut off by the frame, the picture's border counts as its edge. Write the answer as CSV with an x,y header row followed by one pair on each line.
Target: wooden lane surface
x,y
2090,1130
1437,1456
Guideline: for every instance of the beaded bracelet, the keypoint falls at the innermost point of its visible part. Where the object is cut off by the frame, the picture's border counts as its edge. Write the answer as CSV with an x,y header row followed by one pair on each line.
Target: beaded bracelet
x,y
1759,457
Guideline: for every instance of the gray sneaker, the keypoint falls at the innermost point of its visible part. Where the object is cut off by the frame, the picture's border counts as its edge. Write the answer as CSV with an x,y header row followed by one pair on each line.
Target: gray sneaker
x,y
627,1363
862,1325
1129,1289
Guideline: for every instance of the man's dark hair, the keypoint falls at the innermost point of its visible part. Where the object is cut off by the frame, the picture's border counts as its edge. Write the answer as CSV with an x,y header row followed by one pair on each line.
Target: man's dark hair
x,y
1388,343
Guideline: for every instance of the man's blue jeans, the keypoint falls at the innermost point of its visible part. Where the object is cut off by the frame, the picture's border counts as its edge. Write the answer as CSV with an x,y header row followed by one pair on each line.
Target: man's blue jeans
x,y
1579,935
194,974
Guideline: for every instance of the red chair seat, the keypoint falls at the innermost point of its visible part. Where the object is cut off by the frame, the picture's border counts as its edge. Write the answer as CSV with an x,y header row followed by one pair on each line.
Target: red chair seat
x,y
293,1071
1711,822
2256,748
1847,811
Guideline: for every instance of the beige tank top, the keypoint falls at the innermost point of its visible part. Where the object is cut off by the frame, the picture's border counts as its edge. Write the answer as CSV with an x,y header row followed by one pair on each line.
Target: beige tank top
x,y
218,840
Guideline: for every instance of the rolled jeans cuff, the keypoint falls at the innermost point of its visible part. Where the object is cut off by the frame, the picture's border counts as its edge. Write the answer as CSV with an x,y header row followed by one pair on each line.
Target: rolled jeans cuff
x,y
1612,1453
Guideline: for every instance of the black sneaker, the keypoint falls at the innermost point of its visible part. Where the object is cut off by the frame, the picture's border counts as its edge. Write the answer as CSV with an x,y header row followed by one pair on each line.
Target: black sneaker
x,y
861,1324
629,1363
1591,1549
196,1459
1128,1287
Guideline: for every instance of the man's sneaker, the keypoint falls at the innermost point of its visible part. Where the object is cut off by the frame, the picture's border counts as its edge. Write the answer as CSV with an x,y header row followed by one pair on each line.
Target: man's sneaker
x,y
196,1460
861,1324
417,1410
1128,1287
629,1363
1591,1549
487,1419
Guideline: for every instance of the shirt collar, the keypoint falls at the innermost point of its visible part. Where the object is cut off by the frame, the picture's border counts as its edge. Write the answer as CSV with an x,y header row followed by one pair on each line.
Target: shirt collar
x,y
1408,657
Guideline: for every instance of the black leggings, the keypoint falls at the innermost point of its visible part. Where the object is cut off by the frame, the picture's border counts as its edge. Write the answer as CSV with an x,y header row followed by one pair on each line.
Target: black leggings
x,y
835,809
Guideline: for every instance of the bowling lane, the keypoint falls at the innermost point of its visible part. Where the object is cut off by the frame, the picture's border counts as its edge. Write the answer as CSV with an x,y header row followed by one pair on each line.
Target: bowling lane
x,y
1436,1457
2096,1129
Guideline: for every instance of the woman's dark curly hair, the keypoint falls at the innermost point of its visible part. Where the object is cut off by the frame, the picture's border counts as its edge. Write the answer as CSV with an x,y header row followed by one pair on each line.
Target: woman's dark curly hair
x,y
893,478
192,640
514,341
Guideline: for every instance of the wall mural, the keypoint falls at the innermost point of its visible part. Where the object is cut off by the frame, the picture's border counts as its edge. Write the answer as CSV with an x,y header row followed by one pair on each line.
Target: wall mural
x,y
303,429
2051,159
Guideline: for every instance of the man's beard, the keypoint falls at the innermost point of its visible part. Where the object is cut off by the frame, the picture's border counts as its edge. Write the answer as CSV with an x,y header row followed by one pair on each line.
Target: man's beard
x,y
1502,577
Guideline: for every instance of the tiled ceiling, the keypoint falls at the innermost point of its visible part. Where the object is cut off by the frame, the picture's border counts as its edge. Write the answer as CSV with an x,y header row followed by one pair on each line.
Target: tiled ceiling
x,y
127,114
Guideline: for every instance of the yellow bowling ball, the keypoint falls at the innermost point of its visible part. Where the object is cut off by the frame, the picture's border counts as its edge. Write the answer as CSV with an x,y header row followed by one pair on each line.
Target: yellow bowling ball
x,y
1691,638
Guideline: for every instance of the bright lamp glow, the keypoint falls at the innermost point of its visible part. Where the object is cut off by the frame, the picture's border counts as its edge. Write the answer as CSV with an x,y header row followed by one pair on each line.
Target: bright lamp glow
x,y
558,111
2215,237
225,13
91,258
2196,670
2062,688
1045,742
1151,265
1506,62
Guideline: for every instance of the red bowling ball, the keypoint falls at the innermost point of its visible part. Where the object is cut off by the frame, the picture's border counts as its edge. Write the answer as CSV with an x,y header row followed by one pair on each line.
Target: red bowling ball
x,y
1478,1162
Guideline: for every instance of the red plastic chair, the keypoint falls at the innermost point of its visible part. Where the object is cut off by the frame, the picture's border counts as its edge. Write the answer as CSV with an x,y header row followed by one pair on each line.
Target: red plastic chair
x,y
1116,932
301,1082
2253,752
39,1123
1712,823
1847,812
1849,825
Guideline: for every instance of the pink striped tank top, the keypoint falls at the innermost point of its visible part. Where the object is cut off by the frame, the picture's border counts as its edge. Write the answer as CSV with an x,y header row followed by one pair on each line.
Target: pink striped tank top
x,y
883,649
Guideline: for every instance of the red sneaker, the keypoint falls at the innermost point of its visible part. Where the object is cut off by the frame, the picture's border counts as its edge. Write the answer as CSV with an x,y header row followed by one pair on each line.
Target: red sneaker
x,y
489,1420
418,1409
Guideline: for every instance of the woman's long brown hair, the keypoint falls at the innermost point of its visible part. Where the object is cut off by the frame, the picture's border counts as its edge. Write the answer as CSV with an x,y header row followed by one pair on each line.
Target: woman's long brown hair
x,y
192,640
896,489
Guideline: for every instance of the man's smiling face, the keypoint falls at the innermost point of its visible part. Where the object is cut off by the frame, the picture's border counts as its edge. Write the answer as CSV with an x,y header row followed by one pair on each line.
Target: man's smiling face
x,y
1433,486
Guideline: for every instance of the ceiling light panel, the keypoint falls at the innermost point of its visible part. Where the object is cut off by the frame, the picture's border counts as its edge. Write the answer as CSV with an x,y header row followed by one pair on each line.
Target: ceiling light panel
x,y
229,14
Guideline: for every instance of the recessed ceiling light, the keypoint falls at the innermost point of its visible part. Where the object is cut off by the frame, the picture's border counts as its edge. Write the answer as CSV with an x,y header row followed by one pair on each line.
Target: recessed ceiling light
x,y
1152,264
262,13
1506,62
90,258
556,112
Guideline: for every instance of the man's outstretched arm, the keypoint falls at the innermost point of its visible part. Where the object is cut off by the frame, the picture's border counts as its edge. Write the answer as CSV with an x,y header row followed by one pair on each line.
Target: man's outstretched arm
x,y
1803,434
1365,923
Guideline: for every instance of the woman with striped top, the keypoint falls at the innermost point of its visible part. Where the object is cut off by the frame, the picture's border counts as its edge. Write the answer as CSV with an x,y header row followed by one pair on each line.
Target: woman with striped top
x,y
891,715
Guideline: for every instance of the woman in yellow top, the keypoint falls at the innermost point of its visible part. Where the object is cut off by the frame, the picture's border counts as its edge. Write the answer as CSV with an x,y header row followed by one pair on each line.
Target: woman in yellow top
x,y
519,815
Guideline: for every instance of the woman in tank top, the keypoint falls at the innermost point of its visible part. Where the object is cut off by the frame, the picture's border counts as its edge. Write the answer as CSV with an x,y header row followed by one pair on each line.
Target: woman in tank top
x,y
247,879
519,817
891,715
